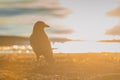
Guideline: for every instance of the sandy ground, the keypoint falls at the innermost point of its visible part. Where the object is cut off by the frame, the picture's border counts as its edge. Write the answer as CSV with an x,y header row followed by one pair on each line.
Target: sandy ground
x,y
91,66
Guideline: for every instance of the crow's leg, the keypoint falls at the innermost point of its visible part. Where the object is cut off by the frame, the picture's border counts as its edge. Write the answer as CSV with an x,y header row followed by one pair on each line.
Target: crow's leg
x,y
49,58
37,57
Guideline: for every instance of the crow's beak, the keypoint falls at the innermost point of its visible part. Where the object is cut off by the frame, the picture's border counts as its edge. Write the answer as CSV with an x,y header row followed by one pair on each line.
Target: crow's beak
x,y
47,26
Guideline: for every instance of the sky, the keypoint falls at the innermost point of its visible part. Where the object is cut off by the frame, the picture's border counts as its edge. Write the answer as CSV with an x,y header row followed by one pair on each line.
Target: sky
x,y
74,19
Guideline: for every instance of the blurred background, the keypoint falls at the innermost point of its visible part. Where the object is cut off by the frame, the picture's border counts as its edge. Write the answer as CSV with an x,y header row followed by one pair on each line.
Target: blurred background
x,y
76,26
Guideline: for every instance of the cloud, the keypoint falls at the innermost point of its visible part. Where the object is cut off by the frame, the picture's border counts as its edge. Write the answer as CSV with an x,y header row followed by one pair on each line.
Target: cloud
x,y
26,7
10,40
114,31
114,12
62,31
4,28
26,11
18,16
14,1
61,39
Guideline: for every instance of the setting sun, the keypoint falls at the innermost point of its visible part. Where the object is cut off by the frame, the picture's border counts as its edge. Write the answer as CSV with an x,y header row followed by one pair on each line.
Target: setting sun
x,y
59,39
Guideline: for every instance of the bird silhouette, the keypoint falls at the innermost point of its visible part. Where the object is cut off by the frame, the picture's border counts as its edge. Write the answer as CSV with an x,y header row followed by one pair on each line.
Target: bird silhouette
x,y
40,43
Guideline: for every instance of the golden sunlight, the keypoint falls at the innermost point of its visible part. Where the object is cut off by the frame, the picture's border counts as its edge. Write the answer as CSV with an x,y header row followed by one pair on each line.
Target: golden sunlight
x,y
59,40
89,23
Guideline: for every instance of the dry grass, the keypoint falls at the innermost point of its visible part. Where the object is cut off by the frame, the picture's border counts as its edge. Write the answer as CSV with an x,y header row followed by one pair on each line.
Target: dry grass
x,y
90,66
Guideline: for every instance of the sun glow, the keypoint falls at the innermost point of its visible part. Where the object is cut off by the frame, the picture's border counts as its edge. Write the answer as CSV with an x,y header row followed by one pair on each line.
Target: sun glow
x,y
16,49
86,46
90,30
89,22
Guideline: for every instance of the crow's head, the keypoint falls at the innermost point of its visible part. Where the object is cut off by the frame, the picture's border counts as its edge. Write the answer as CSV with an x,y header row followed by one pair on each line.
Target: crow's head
x,y
39,25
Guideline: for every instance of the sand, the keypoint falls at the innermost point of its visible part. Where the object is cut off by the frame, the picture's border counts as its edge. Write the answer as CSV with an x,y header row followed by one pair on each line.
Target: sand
x,y
86,66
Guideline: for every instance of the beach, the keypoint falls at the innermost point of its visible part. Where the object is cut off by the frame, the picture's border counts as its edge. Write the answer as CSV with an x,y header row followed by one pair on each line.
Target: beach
x,y
75,66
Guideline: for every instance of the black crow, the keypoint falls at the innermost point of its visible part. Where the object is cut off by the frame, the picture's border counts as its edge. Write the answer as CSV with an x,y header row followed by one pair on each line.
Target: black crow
x,y
40,42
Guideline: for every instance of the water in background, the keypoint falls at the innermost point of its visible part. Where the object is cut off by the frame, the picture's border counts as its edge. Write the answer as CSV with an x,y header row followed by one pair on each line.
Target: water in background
x,y
78,47
68,47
